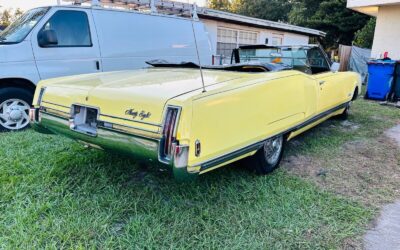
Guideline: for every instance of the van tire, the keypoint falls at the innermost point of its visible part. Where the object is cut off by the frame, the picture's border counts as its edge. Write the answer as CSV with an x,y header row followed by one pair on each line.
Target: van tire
x,y
23,99
268,157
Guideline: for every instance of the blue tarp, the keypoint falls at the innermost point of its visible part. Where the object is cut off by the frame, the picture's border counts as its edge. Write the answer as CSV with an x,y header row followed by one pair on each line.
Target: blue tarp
x,y
358,61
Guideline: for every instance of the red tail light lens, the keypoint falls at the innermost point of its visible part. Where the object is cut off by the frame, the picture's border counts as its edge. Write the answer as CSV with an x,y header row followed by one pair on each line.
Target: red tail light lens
x,y
169,130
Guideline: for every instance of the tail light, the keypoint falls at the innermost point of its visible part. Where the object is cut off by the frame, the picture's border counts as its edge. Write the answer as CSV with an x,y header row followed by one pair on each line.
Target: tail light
x,y
169,131
41,93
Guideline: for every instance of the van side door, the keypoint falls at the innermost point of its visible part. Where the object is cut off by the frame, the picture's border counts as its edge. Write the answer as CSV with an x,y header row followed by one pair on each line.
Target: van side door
x,y
66,44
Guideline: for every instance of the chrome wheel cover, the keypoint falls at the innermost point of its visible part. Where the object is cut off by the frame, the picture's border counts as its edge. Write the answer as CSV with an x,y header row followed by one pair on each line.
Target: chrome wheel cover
x,y
14,114
273,149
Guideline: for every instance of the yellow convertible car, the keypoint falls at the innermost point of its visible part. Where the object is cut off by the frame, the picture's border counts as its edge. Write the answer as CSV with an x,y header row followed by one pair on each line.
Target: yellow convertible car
x,y
170,114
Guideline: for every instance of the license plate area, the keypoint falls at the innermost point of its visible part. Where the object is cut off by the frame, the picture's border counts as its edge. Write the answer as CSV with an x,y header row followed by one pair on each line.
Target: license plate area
x,y
84,120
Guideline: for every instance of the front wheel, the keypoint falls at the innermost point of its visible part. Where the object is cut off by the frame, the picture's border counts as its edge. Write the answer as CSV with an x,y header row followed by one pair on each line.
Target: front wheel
x,y
14,108
268,158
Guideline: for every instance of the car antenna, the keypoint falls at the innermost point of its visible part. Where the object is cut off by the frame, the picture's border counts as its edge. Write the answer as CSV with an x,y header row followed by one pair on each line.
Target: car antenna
x,y
196,18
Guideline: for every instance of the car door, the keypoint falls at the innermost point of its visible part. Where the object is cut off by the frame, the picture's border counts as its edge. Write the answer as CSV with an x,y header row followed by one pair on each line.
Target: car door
x,y
329,84
76,49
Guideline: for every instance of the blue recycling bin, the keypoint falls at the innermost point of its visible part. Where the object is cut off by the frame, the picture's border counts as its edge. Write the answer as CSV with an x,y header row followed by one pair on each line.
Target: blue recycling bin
x,y
380,80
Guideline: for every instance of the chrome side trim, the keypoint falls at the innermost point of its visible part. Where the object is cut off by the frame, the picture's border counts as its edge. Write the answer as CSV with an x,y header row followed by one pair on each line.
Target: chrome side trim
x,y
55,112
256,146
125,119
132,131
55,104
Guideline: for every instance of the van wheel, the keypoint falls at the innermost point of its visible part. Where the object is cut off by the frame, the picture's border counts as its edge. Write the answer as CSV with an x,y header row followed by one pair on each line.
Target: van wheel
x,y
14,108
268,158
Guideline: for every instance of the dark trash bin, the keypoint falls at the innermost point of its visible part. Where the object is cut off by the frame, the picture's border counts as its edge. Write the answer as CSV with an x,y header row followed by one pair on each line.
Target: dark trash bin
x,y
380,79
396,87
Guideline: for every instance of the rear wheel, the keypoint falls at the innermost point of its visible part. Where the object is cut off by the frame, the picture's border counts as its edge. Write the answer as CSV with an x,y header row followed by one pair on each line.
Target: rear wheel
x,y
14,108
268,158
346,112
345,115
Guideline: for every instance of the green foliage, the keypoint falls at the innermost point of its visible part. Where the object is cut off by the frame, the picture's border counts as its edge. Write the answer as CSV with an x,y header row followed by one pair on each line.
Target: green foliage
x,y
219,5
365,37
274,10
330,16
7,16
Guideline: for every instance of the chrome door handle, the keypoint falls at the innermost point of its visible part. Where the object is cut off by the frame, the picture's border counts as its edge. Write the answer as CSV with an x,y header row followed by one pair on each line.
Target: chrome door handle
x,y
321,82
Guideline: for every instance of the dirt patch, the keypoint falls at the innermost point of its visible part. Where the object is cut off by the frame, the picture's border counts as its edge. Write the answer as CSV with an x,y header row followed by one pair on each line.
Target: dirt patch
x,y
350,126
366,170
394,134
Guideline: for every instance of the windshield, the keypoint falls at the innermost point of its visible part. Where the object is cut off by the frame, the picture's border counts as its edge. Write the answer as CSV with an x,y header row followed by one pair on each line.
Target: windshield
x,y
287,56
303,58
18,30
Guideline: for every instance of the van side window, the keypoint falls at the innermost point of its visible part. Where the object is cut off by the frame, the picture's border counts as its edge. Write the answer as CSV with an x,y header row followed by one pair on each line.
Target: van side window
x,y
71,29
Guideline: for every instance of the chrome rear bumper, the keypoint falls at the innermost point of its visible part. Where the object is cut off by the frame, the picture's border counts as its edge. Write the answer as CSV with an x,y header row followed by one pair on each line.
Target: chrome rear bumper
x,y
143,148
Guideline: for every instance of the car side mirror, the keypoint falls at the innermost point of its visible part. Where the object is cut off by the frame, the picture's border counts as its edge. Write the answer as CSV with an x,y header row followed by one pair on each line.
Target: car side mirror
x,y
47,38
335,67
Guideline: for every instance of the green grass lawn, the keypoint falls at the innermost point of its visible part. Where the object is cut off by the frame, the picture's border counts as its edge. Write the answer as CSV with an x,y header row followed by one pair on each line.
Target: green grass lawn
x,y
56,193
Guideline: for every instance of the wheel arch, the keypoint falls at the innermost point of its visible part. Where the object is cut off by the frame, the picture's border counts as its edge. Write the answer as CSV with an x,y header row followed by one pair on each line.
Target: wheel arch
x,y
356,93
18,83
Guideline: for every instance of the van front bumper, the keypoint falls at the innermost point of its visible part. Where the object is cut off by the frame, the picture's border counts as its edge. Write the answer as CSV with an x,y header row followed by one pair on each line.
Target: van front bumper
x,y
139,147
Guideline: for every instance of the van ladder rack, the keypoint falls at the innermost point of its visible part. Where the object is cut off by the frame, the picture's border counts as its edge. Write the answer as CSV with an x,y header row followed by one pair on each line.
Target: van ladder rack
x,y
154,6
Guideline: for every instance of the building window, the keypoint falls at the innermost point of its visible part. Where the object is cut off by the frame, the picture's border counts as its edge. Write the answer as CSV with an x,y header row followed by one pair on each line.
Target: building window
x,y
229,39
276,40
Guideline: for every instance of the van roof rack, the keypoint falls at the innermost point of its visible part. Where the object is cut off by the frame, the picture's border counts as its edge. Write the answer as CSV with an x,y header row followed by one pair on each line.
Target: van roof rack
x,y
154,6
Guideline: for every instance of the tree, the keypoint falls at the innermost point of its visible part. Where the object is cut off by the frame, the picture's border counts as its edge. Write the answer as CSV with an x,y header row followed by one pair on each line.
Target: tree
x,y
331,16
7,16
223,5
365,36
273,10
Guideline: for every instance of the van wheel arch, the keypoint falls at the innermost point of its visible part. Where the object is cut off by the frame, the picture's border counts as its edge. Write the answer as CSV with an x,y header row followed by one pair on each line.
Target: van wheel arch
x,y
18,83
15,100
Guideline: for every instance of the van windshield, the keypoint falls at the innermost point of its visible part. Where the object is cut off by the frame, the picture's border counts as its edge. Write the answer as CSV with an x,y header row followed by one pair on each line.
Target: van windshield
x,y
18,30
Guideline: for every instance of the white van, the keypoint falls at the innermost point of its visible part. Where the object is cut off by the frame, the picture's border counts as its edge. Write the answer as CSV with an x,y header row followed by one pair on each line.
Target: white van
x,y
58,41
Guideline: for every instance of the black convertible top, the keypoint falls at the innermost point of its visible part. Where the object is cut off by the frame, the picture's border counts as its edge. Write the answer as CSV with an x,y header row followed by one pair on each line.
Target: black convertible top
x,y
239,67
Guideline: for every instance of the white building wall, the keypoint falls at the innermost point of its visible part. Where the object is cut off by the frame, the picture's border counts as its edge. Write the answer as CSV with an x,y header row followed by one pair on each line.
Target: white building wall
x,y
262,34
387,33
295,39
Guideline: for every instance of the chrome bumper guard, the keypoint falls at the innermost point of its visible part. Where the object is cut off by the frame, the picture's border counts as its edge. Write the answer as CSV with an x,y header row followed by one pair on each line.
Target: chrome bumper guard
x,y
115,140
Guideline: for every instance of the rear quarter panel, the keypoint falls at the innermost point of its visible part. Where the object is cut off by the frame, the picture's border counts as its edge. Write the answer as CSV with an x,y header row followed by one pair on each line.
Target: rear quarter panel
x,y
253,111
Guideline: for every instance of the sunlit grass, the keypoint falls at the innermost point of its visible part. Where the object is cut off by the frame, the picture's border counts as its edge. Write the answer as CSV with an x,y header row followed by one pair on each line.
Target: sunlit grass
x,y
56,193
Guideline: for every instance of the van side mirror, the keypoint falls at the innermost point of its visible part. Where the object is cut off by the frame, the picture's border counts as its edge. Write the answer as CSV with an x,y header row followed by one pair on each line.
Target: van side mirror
x,y
47,38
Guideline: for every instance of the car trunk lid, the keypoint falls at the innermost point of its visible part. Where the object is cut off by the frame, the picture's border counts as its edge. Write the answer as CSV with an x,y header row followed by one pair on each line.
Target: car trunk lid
x,y
133,96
